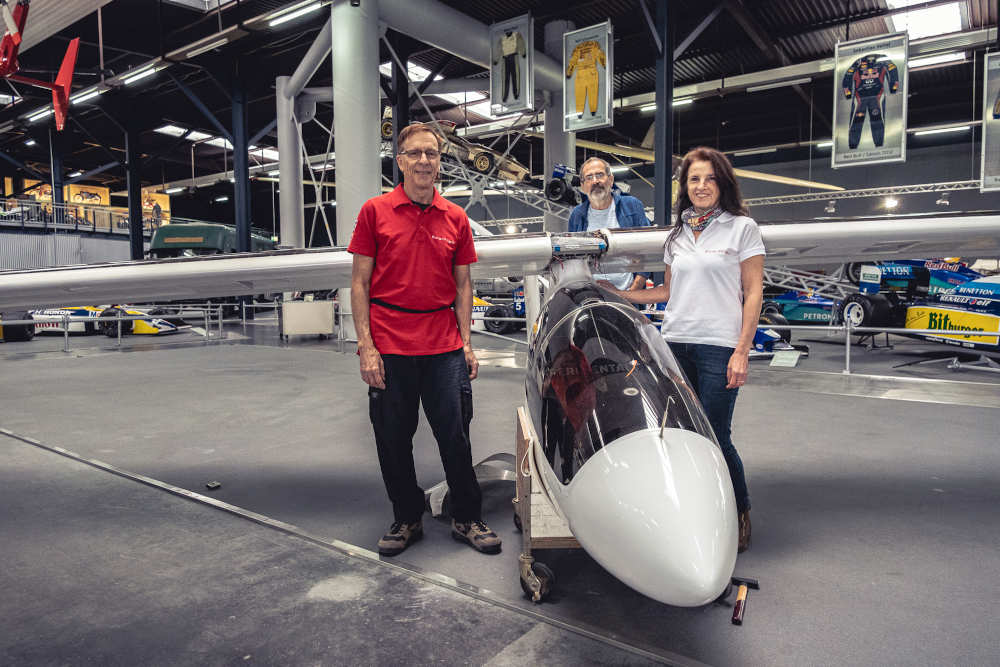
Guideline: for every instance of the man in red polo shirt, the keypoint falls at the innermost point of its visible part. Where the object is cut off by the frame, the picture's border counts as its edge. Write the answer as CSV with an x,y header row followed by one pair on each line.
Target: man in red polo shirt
x,y
411,295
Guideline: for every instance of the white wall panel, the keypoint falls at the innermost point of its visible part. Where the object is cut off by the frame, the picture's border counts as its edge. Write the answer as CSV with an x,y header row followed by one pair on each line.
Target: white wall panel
x,y
33,251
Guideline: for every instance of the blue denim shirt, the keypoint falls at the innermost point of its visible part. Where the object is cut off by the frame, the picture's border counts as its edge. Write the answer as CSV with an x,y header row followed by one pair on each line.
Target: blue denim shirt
x,y
628,209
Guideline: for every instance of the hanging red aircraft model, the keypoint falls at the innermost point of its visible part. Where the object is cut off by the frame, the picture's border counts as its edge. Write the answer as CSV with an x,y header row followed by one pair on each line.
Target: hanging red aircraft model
x,y
9,66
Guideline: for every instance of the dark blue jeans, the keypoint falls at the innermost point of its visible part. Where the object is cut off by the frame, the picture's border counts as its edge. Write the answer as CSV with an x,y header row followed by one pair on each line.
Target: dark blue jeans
x,y
441,383
705,368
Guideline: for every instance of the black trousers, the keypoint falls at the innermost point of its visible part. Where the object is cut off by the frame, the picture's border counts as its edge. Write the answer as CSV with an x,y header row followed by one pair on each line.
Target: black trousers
x,y
441,383
510,76
874,108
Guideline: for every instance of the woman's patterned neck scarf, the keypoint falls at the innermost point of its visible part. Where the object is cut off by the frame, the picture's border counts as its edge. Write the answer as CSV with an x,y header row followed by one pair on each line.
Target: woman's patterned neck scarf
x,y
699,221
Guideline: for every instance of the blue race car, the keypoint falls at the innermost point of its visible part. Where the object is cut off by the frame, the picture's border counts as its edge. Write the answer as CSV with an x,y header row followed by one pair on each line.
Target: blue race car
x,y
800,307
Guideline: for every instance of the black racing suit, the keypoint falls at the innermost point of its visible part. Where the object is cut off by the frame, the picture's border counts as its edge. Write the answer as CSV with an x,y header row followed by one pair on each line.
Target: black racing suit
x,y
865,81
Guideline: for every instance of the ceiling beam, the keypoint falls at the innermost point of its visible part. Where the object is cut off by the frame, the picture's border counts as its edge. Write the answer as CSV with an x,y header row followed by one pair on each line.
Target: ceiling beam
x,y
767,46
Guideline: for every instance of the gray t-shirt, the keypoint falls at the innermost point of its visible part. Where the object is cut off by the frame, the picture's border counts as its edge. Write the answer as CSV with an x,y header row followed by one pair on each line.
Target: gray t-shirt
x,y
606,219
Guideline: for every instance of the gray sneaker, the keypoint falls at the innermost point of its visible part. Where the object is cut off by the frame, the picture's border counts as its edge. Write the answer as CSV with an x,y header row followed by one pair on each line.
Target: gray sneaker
x,y
477,535
400,536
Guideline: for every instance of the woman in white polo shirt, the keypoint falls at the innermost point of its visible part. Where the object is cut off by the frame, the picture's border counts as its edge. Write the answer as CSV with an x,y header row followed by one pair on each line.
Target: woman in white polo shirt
x,y
713,286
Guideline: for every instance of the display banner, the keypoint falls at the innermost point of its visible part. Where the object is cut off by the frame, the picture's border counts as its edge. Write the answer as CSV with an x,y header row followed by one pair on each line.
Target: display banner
x,y
587,88
512,66
990,169
869,101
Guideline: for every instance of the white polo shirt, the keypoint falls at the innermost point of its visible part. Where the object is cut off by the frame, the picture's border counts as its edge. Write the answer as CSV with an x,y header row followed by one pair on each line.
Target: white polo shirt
x,y
706,289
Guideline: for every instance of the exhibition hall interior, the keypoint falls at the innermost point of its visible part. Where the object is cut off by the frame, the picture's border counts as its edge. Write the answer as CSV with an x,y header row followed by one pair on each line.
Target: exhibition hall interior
x,y
233,268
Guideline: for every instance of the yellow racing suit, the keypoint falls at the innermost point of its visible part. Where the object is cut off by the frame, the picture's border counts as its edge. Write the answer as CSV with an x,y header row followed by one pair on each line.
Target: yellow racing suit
x,y
584,61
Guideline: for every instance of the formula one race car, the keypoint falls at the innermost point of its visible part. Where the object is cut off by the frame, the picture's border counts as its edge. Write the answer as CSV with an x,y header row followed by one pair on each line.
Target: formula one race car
x,y
84,319
800,307
970,307
488,309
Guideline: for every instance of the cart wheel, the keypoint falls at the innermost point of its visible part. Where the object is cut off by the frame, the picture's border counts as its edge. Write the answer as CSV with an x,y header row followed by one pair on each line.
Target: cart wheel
x,y
546,579
517,522
483,163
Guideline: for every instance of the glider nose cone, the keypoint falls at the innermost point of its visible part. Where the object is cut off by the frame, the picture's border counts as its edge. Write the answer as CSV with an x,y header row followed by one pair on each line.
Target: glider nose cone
x,y
659,515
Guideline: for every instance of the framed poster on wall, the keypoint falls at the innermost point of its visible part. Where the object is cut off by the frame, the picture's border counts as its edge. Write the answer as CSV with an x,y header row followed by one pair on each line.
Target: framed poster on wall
x,y
990,166
588,86
512,65
869,101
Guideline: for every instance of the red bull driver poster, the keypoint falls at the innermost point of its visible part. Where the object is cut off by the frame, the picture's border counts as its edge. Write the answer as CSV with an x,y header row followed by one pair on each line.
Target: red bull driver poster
x,y
869,101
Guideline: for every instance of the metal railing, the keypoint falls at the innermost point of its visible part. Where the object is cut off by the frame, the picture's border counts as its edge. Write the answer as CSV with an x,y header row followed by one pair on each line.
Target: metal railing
x,y
210,314
848,330
70,216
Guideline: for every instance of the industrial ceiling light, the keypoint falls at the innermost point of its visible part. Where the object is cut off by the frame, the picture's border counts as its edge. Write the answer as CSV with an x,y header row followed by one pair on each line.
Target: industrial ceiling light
x,y
139,76
74,174
943,199
891,202
208,47
302,11
170,191
30,142
221,199
83,97
40,115
831,206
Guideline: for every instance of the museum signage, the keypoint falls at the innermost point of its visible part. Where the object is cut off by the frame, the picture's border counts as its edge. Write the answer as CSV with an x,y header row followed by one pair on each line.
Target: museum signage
x,y
869,101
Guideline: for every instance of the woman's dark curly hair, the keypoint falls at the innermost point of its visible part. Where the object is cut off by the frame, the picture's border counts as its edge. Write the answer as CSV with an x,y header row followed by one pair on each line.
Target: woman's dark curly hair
x,y
730,199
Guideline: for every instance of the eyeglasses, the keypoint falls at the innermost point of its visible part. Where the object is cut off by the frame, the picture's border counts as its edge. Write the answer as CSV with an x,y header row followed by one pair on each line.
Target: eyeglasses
x,y
415,153
599,176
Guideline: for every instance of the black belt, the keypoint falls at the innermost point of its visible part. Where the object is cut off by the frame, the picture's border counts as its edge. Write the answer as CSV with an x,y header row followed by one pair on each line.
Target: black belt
x,y
392,306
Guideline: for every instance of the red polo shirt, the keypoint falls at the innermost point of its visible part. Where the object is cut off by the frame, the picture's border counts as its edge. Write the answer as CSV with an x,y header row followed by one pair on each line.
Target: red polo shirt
x,y
415,253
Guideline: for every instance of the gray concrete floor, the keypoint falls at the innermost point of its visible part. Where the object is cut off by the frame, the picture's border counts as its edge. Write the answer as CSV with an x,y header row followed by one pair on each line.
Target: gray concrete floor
x,y
874,517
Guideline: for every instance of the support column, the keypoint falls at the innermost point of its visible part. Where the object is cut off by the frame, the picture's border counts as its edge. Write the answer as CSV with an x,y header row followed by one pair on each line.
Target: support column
x,y
401,105
559,146
355,35
241,167
664,121
134,187
56,167
290,212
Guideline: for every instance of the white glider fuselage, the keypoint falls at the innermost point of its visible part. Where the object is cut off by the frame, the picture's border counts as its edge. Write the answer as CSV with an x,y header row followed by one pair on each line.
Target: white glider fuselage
x,y
624,450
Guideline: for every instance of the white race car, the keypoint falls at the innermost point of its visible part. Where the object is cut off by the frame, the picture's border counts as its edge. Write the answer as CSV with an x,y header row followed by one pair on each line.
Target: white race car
x,y
84,319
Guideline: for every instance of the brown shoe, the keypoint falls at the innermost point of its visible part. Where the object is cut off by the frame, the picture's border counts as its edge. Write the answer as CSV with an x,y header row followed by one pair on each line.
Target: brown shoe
x,y
400,536
744,519
477,535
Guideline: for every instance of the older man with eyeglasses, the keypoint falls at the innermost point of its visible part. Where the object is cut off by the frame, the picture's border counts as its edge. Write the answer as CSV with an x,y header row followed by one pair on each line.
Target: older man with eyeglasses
x,y
411,297
605,207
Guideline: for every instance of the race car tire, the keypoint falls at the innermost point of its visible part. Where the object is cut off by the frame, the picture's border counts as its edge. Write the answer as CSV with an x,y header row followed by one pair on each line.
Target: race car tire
x,y
17,332
483,163
110,327
771,308
777,320
555,190
494,326
386,129
865,310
